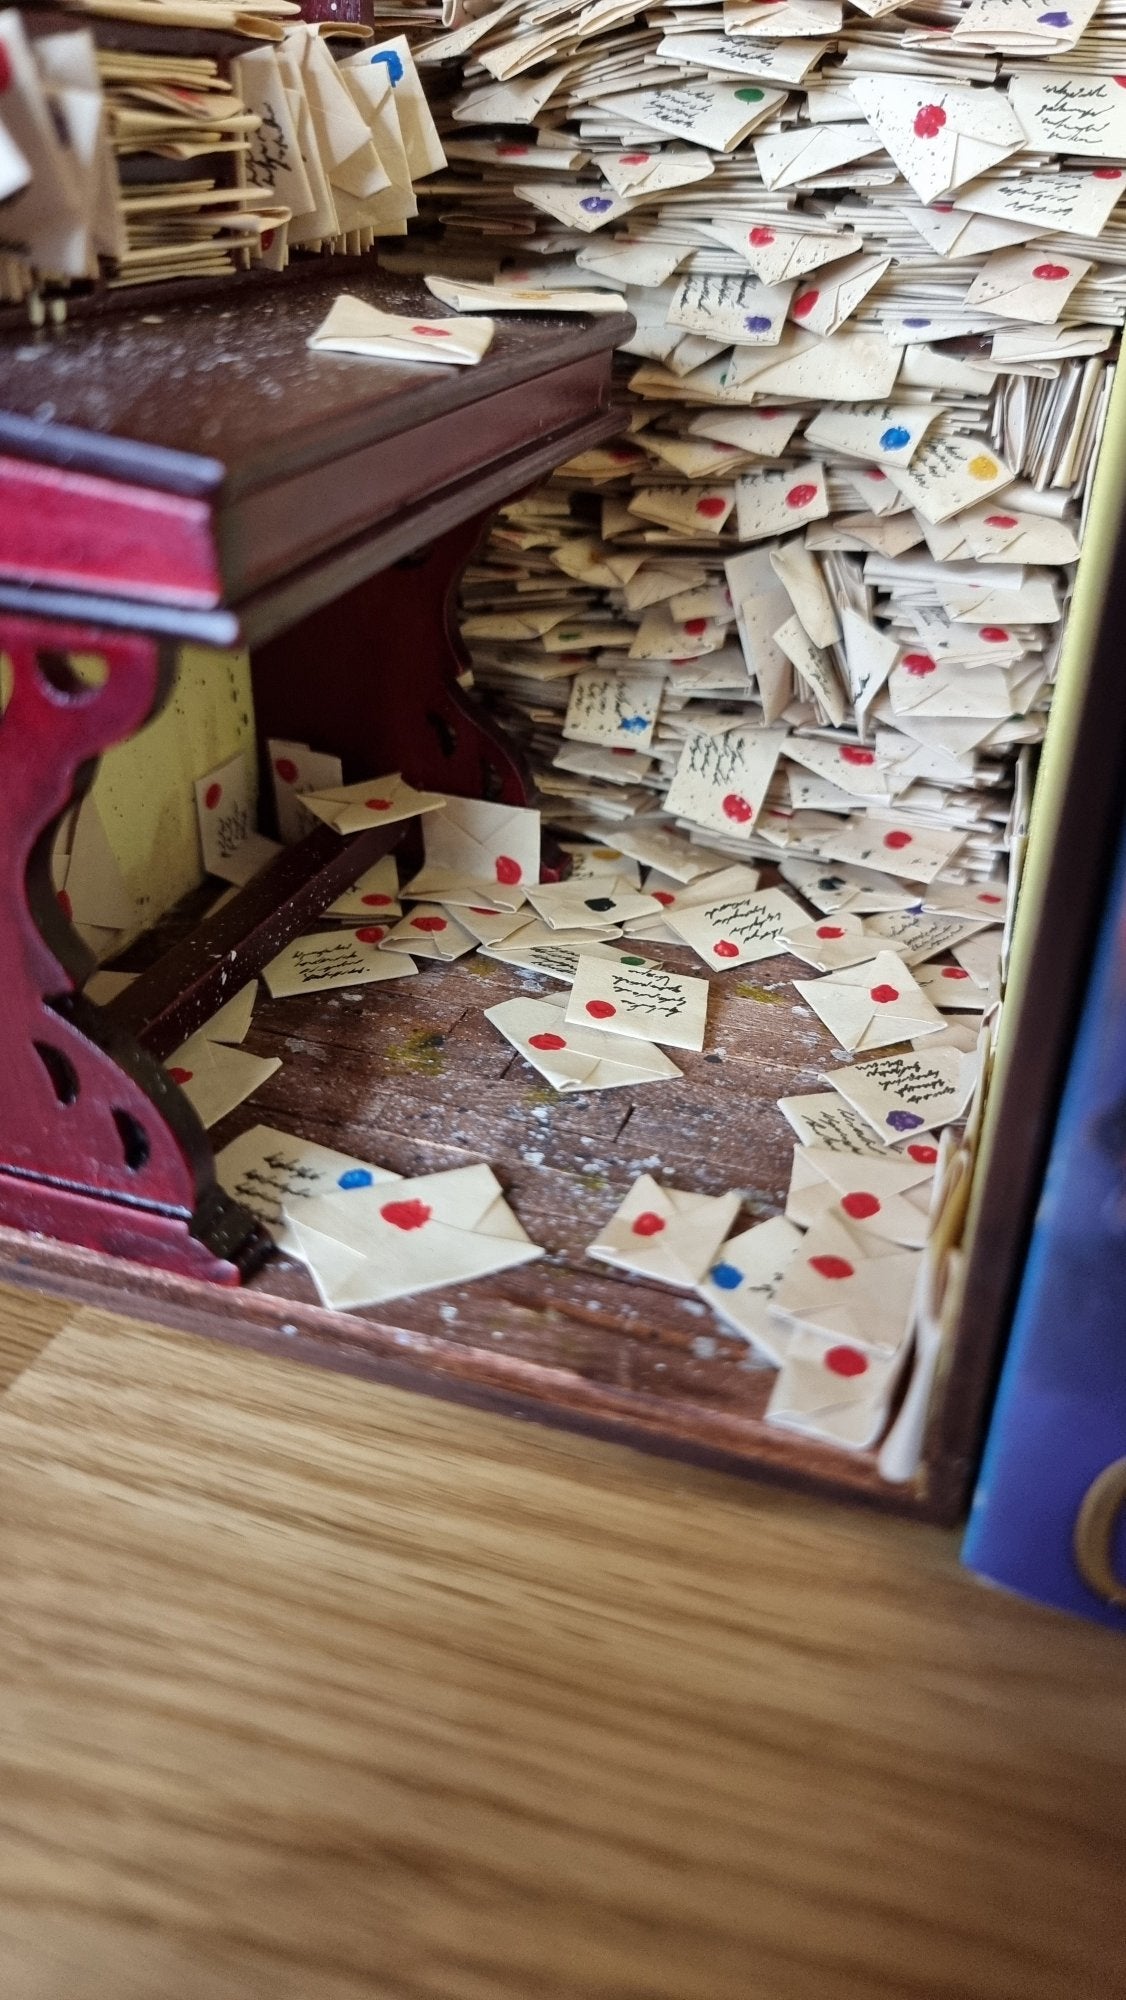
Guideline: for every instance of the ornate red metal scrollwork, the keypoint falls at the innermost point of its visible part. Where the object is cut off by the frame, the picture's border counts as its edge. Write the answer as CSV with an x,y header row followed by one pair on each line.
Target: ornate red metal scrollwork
x,y
97,1144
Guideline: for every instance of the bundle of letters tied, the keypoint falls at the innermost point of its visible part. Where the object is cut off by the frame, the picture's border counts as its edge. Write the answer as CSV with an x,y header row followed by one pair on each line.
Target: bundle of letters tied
x,y
808,610
129,156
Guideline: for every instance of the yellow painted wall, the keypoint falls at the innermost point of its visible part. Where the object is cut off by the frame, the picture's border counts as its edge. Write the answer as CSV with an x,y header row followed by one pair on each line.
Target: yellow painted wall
x,y
144,788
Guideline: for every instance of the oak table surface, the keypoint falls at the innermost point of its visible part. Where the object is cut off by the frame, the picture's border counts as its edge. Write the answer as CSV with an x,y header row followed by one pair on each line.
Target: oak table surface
x,y
313,1690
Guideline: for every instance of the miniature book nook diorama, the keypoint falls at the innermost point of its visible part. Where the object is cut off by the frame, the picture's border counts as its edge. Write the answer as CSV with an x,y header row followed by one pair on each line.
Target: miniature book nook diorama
x,y
540,552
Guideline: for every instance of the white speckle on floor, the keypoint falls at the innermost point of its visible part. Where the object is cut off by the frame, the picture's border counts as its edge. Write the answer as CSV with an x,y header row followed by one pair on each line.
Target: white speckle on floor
x,y
703,1347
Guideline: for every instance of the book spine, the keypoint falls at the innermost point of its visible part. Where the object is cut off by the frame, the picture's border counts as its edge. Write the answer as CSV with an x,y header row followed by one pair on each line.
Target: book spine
x,y
1049,1513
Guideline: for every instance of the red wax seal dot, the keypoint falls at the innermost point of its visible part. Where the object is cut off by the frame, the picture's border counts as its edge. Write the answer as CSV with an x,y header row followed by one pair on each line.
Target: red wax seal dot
x,y
923,1156
664,896
804,304
738,808
648,1224
860,1206
5,69
181,1075
897,839
546,1042
846,1361
508,870
428,923
378,805
632,159
212,796
851,754
286,770
372,933
512,152
954,972
996,634
375,902
929,121
405,1214
694,626
1052,272
800,496
1000,520
829,931
919,664
831,1267
600,1010
710,506
433,332
986,896
725,949
883,995
64,903
761,237
875,472
1106,173
616,751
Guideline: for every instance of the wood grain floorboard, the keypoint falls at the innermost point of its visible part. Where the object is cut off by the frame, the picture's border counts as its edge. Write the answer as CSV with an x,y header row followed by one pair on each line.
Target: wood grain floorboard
x,y
317,1691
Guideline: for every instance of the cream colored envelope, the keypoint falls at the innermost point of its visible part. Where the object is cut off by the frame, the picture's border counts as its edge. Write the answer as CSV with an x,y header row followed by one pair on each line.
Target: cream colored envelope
x,y
784,62
880,841
727,308
824,1119
1029,285
640,171
809,152
948,474
996,530
666,1233
850,767
427,931
833,1391
714,112
657,846
703,510
860,1290
801,577
367,1245
214,1078
778,255
295,770
917,936
1068,204
1021,27
600,864
871,1006
328,959
354,327
742,1281
904,1096
831,943
644,1002
1071,113
812,664
537,948
575,1059
792,17
774,499
981,957
890,434
939,137
888,1198
852,366
225,814
951,988
466,297
374,894
565,906
489,926
739,930
375,802
268,1170
577,207
96,890
721,782
825,302
476,847
420,134
986,900
617,709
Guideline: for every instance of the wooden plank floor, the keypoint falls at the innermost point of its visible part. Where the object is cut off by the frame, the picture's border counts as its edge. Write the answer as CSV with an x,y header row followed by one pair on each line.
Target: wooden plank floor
x,y
310,1690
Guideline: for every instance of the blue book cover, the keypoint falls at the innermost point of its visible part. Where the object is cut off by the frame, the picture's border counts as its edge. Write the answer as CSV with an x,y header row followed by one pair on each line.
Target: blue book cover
x,y
1049,1514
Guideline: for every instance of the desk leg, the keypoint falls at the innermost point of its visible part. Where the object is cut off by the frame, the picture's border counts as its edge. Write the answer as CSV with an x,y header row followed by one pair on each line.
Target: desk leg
x,y
97,1144
373,676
